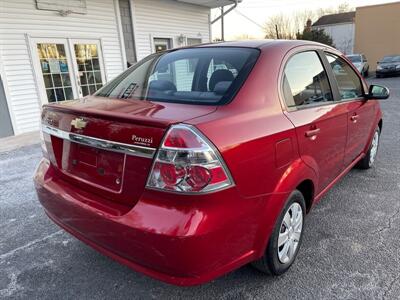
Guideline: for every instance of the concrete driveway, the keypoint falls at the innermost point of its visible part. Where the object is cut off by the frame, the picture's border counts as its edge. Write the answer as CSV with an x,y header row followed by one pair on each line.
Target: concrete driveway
x,y
351,247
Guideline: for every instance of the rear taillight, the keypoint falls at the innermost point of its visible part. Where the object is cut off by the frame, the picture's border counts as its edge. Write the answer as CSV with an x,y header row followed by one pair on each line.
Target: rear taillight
x,y
187,162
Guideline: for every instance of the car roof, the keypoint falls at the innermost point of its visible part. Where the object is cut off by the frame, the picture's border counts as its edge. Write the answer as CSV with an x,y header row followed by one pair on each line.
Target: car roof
x,y
260,44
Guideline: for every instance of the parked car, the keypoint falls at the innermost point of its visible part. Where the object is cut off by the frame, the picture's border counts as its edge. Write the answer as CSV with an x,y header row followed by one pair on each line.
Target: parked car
x,y
193,175
360,62
389,65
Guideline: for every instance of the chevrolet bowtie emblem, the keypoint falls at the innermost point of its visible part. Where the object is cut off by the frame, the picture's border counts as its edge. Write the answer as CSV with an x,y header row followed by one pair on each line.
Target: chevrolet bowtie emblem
x,y
78,123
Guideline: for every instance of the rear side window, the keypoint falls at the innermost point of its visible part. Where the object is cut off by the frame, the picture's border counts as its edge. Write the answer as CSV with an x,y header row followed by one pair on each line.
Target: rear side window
x,y
305,81
194,75
349,83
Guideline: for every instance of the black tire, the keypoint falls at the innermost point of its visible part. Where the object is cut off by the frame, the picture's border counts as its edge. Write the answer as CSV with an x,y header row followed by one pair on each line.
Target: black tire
x,y
269,263
366,162
366,73
378,76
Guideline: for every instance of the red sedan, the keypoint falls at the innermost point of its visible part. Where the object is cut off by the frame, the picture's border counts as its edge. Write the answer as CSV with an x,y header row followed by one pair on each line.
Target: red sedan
x,y
199,160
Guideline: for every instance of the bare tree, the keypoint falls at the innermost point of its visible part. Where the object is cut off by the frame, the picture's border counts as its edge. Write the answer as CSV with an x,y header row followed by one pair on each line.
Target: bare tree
x,y
300,19
282,26
341,8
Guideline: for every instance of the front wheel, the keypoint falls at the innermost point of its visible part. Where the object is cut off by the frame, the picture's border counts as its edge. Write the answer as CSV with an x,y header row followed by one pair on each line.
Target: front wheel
x,y
286,237
369,159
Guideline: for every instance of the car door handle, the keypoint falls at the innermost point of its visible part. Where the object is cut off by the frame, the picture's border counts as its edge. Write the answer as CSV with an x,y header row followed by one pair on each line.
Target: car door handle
x,y
354,118
312,133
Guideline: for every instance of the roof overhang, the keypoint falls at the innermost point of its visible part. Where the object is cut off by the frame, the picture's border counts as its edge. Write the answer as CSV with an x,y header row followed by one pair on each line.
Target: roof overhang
x,y
210,3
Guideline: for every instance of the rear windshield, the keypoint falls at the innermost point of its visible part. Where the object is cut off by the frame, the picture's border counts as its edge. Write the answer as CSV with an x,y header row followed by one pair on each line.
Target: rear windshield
x,y
354,58
195,75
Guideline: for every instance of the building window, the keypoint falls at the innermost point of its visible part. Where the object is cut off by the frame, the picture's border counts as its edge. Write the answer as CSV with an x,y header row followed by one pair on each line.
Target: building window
x,y
193,41
162,44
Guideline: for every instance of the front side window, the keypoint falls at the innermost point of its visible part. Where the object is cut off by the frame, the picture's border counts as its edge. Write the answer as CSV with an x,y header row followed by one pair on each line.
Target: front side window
x,y
349,83
305,81
194,75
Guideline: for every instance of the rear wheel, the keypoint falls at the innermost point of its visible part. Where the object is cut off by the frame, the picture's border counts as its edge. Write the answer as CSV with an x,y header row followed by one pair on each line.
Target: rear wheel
x,y
369,159
286,237
366,73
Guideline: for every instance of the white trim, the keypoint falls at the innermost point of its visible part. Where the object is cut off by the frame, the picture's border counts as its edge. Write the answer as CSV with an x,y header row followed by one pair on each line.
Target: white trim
x,y
103,62
74,68
48,35
32,49
8,96
120,34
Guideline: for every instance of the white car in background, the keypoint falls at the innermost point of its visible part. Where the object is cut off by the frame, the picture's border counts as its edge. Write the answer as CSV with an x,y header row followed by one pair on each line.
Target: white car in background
x,y
360,62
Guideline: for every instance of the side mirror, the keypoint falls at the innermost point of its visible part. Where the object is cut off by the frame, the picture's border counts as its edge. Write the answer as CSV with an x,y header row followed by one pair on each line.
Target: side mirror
x,y
378,92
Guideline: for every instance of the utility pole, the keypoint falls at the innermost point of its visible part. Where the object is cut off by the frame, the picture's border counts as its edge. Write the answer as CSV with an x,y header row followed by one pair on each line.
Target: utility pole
x,y
222,24
277,32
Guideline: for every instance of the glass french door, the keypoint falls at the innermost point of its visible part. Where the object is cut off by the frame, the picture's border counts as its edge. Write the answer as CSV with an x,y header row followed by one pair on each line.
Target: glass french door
x,y
88,63
69,68
56,71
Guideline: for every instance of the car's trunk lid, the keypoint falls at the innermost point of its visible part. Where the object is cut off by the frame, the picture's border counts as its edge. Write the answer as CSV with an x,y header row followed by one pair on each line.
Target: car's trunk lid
x,y
106,146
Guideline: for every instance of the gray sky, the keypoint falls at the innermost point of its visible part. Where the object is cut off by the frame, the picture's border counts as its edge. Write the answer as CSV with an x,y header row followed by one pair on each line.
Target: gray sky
x,y
258,11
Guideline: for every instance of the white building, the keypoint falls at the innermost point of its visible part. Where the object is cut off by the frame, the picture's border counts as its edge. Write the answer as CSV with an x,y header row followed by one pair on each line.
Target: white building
x,y
65,49
341,28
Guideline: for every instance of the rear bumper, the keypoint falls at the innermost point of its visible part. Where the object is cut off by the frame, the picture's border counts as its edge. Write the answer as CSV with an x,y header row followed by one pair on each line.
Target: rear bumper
x,y
161,235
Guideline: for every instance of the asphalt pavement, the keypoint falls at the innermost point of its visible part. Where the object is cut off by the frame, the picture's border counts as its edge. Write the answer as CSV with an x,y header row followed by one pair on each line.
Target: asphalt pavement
x,y
351,247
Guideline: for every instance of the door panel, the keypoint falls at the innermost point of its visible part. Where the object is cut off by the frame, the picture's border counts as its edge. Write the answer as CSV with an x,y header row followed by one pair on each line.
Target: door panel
x,y
321,134
321,123
360,122
360,113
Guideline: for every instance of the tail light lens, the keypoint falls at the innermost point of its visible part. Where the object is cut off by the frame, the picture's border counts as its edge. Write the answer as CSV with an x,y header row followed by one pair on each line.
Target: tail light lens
x,y
187,162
